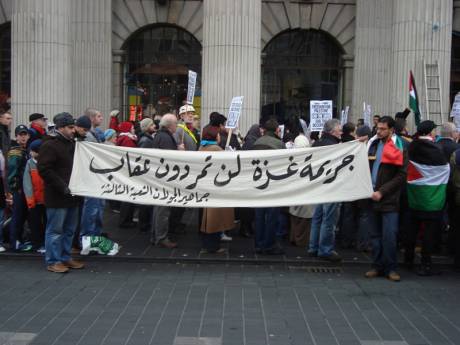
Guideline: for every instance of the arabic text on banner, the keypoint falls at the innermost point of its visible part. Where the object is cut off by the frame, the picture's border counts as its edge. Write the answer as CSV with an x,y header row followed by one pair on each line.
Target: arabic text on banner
x,y
222,179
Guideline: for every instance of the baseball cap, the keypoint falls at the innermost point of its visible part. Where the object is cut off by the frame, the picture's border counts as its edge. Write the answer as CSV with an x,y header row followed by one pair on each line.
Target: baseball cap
x,y
426,127
21,129
186,108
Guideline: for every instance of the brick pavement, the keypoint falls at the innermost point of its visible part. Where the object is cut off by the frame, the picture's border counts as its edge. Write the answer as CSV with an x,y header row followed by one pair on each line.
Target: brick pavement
x,y
179,304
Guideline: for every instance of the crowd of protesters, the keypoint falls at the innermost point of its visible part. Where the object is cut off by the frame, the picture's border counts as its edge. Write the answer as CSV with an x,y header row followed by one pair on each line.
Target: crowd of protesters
x,y
416,181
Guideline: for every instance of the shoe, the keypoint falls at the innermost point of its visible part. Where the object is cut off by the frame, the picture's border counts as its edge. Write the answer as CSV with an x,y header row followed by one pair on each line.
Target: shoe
x,y
74,264
372,273
23,247
167,244
41,250
334,257
225,238
57,268
2,249
394,276
273,251
127,225
312,254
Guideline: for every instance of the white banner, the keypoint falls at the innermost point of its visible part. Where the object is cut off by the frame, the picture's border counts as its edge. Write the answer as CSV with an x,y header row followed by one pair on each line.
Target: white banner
x,y
455,112
234,112
222,179
191,86
320,112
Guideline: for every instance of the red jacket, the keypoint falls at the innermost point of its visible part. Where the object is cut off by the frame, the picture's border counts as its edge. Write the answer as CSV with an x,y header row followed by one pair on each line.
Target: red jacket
x,y
114,123
126,141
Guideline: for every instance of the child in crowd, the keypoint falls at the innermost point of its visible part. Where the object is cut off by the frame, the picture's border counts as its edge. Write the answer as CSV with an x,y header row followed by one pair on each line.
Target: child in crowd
x,y
34,193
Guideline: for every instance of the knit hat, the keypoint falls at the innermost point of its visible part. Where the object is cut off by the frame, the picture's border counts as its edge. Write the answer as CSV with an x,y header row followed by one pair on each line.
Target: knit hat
x,y
63,120
145,124
125,127
83,122
109,134
35,145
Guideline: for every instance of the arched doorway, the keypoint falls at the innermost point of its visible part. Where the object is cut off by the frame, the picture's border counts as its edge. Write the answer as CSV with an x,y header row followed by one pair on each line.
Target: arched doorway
x,y
5,65
157,61
299,66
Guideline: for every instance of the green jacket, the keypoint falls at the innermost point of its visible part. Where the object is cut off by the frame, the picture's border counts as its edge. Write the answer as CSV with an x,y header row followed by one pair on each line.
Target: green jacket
x,y
17,160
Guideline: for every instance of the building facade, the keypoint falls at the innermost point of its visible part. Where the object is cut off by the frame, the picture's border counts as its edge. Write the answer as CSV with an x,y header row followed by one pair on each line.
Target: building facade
x,y
67,55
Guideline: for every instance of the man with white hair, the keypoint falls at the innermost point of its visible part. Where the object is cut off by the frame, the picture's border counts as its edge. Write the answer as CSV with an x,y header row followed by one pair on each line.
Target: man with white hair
x,y
448,140
164,140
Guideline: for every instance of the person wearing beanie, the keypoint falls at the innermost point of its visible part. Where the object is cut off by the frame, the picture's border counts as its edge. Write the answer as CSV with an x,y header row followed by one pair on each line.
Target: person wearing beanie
x,y
148,130
110,136
38,126
55,166
126,137
82,127
35,197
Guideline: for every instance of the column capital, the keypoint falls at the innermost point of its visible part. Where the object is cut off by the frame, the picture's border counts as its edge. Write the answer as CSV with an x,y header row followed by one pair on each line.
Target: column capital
x,y
348,61
118,55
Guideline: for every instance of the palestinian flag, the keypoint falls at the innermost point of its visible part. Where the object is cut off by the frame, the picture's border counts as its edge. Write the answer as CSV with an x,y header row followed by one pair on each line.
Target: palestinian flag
x,y
427,176
392,150
413,99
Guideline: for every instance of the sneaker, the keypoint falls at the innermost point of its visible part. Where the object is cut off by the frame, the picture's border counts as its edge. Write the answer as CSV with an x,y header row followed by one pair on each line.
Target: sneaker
x,y
57,268
167,244
2,249
23,247
394,276
225,238
41,250
333,257
74,264
372,273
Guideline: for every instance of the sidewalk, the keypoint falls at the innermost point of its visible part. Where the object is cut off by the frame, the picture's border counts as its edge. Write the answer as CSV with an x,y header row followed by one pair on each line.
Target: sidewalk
x,y
136,247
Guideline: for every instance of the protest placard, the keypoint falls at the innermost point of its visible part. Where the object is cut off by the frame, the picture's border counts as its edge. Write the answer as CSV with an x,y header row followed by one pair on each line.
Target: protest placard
x,y
320,112
234,112
455,112
191,86
367,111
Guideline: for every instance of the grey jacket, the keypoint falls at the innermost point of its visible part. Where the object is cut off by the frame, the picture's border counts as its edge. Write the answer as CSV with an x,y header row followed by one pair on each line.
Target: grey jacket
x,y
189,142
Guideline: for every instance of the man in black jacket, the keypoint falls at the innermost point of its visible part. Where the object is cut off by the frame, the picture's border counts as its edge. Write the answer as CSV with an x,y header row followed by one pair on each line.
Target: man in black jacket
x,y
325,216
5,140
55,167
388,163
164,140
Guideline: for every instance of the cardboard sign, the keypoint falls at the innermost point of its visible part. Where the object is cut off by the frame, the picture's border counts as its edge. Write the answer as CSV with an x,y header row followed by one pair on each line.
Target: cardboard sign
x,y
191,86
344,116
367,111
320,112
455,112
234,112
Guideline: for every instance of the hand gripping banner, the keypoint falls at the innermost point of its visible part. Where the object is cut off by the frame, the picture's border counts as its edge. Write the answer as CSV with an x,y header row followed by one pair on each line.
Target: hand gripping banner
x,y
222,179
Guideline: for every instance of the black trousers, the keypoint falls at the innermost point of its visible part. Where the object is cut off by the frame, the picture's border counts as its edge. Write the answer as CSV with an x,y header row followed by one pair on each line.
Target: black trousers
x,y
126,213
145,218
211,242
37,223
456,239
432,222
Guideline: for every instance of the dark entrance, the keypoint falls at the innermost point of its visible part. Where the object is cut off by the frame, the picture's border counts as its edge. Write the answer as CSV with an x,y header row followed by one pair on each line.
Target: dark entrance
x,y
299,66
156,75
5,65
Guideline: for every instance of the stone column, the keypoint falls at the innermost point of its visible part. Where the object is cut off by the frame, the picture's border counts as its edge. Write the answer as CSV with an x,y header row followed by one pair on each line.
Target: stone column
x,y
232,58
92,55
421,30
347,82
41,58
372,63
117,79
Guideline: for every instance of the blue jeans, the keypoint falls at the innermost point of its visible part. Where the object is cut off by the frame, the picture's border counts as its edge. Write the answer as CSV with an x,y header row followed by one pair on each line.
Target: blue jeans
x,y
323,224
91,217
266,225
18,218
60,229
384,236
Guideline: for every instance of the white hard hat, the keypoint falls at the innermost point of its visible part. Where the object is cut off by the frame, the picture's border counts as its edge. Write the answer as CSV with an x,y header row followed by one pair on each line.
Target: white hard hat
x,y
186,108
